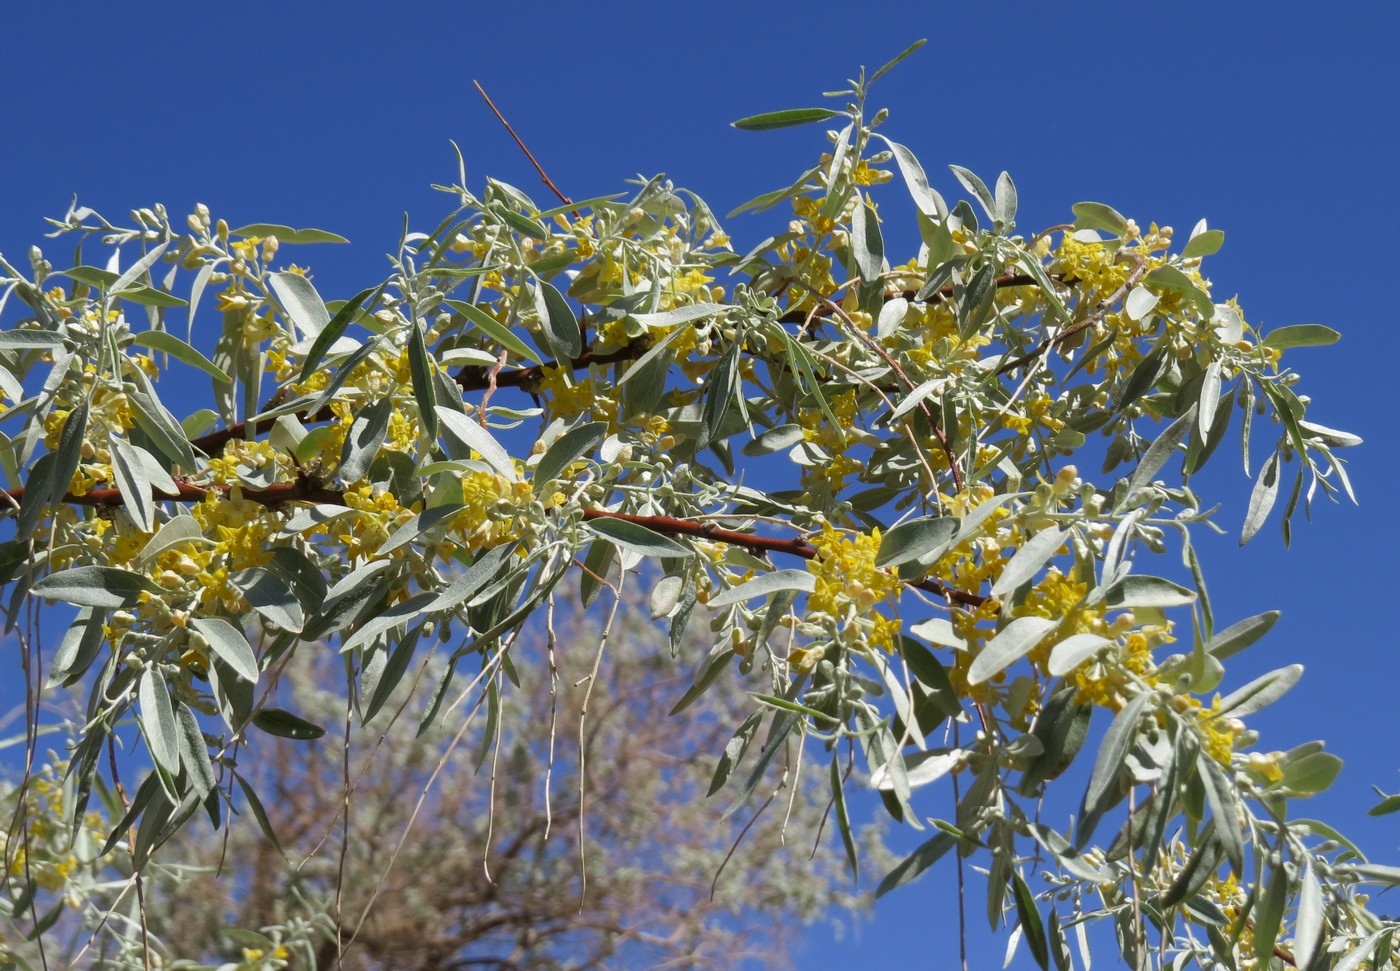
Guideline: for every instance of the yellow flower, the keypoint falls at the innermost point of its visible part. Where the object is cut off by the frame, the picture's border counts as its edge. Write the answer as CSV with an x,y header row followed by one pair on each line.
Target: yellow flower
x,y
849,585
246,249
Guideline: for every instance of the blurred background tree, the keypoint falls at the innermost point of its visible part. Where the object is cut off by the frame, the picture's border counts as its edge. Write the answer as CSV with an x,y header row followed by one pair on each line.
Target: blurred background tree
x,y
454,884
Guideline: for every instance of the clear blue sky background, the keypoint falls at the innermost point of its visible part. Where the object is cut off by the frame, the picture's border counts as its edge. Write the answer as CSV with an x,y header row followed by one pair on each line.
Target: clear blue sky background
x,y
1275,121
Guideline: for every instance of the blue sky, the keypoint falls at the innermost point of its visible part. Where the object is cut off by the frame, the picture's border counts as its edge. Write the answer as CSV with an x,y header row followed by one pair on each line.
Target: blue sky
x,y
1276,122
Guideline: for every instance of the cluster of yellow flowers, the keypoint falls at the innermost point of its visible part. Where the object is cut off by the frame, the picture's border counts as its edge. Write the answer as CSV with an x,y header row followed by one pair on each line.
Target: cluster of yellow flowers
x,y
849,586
48,851
492,513
828,476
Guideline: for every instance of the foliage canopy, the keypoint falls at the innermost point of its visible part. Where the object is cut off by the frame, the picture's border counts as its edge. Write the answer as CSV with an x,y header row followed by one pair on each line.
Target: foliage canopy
x,y
865,472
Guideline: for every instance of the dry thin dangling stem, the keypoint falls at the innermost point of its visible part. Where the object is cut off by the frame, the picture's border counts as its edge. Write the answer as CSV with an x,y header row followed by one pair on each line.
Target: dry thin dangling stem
x,y
551,641
582,739
962,884
714,884
345,790
492,686
488,671
538,168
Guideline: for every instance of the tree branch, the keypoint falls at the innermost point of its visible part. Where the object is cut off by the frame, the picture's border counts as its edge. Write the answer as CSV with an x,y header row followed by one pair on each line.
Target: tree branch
x,y
762,545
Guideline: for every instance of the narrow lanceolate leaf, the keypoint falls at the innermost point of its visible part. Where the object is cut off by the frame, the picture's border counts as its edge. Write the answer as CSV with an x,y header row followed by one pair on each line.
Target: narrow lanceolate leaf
x,y
30,340
494,329
1301,335
1030,920
977,187
176,530
303,304
286,234
194,753
168,343
132,483
1114,749
567,449
79,646
560,325
421,374
784,119
284,724
386,620
469,435
1028,560
680,315
1268,914
765,584
334,328
229,645
488,567
896,59
1144,591
138,269
773,701
158,720
722,389
1307,927
1012,643
363,441
1224,807
637,538
929,202
1210,399
93,586
867,243
162,429
69,452
259,812
1261,692
1073,651
917,862
1096,215
1006,199
734,751
1261,499
914,540
843,819
1162,449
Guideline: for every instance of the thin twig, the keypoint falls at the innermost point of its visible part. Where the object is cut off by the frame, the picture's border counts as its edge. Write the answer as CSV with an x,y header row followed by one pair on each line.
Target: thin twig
x,y
874,345
714,884
1102,309
962,884
538,168
551,641
345,790
582,739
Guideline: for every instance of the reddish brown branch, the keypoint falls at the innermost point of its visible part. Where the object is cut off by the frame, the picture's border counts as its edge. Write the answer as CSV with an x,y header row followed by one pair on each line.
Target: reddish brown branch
x,y
213,443
476,377
304,489
1003,282
762,545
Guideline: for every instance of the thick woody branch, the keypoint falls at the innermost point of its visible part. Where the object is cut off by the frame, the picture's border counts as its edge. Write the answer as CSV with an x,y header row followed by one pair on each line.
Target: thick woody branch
x,y
478,377
762,545
306,488
303,489
1003,282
